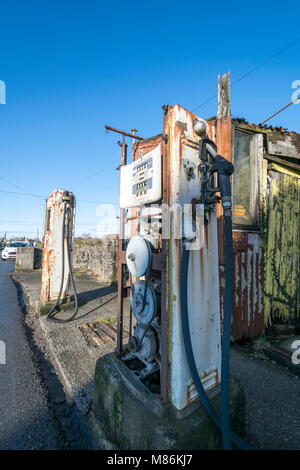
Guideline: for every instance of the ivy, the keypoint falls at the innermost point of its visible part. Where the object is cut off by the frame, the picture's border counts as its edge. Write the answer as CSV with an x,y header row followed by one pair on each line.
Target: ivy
x,y
285,298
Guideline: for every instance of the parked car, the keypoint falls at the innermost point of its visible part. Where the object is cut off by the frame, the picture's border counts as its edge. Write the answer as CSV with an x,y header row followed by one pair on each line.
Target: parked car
x,y
10,250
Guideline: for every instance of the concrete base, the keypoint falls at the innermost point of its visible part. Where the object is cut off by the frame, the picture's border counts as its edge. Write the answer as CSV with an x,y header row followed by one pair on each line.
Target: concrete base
x,y
28,258
133,418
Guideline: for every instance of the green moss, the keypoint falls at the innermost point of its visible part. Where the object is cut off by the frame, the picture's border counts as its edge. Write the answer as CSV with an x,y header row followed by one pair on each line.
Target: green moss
x,y
44,308
130,421
107,321
78,272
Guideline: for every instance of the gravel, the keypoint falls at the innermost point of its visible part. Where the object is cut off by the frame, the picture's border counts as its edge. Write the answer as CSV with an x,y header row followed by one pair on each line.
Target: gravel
x,y
272,401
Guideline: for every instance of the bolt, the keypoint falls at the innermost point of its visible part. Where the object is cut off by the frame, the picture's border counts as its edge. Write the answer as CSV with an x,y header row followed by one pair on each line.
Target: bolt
x,y
131,256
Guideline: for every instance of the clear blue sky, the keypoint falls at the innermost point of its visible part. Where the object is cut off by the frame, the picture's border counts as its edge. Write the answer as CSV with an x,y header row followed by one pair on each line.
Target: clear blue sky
x,y
71,67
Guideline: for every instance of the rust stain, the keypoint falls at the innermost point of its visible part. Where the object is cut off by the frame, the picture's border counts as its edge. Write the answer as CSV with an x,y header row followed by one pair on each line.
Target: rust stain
x,y
247,312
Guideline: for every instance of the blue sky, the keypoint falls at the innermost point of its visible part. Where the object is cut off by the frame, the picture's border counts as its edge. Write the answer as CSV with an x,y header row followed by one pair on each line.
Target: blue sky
x,y
72,67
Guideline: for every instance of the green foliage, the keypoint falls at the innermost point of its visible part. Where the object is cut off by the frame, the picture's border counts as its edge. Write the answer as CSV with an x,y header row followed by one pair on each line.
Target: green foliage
x,y
283,297
260,344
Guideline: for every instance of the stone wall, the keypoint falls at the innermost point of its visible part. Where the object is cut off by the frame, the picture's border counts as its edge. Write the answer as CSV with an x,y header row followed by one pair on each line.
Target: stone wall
x,y
97,255
29,258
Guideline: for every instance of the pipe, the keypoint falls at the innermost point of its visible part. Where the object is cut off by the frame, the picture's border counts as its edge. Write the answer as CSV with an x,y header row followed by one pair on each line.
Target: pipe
x,y
224,169
225,364
220,423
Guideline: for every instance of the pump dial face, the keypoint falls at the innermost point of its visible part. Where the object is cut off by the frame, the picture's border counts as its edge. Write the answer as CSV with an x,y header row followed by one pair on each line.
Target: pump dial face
x,y
138,256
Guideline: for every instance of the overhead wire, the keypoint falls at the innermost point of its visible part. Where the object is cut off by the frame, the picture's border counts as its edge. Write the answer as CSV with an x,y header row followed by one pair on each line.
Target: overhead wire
x,y
250,71
43,197
277,112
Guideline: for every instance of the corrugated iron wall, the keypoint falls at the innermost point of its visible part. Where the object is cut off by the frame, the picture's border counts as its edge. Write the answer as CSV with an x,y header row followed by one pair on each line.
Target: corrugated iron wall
x,y
248,283
248,297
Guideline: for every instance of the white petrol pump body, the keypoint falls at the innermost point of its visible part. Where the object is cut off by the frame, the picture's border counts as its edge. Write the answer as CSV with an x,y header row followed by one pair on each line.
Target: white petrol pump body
x,y
203,275
162,180
59,227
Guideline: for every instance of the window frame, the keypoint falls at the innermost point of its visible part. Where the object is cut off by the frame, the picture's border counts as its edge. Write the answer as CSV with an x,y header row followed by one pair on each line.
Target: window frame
x,y
256,190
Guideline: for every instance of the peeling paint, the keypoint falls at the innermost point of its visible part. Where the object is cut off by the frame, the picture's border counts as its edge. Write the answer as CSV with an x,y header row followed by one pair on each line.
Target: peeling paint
x,y
52,266
282,265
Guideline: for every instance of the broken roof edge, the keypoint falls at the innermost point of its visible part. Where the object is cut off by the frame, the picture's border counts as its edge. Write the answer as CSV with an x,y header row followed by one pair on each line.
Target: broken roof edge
x,y
256,127
262,128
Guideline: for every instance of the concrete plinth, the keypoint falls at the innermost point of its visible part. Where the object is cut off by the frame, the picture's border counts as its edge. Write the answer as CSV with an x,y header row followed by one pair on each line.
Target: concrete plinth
x,y
134,418
44,307
28,258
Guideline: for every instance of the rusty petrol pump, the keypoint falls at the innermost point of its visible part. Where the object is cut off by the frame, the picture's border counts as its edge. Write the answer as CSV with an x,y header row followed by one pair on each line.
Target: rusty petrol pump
x,y
169,340
57,277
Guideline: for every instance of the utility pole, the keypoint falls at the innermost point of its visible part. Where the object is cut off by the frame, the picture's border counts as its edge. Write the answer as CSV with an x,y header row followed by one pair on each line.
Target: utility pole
x,y
121,235
120,265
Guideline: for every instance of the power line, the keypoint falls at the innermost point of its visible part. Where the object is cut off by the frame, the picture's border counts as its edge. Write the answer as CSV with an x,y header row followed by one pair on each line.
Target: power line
x,y
43,197
98,172
98,202
277,112
250,72
19,222
21,194
19,187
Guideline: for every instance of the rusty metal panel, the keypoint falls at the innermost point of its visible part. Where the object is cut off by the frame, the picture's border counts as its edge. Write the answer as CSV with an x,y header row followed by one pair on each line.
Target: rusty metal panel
x,y
203,285
52,256
248,285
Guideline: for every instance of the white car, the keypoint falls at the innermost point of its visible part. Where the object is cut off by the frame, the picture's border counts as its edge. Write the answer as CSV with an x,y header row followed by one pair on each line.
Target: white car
x,y
10,250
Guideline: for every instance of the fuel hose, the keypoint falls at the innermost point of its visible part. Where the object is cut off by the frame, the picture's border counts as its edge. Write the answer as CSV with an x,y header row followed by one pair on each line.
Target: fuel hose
x,y
222,423
51,314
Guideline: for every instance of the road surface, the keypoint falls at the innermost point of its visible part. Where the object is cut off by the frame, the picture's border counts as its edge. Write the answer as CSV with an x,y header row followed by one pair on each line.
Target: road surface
x,y
27,420
272,402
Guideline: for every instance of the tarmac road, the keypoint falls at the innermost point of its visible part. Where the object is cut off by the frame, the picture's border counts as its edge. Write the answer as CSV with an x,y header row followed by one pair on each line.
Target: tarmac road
x,y
27,420
272,402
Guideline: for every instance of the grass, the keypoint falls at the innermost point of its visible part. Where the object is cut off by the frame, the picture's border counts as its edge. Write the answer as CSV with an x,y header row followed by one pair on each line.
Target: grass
x,y
108,321
260,344
78,272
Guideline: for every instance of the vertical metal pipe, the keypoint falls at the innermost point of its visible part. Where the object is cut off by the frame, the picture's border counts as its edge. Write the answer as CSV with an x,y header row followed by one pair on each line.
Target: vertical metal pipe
x,y
120,266
45,220
164,370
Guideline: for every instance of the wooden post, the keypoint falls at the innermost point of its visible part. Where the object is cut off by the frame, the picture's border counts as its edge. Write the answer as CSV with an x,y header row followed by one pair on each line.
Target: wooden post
x,y
224,144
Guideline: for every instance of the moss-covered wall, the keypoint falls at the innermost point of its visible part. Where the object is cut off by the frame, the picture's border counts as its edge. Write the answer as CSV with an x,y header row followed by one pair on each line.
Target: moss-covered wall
x,y
280,219
282,243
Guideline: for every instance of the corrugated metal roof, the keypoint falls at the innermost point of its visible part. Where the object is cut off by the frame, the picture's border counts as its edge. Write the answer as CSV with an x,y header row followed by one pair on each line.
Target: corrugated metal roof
x,y
253,126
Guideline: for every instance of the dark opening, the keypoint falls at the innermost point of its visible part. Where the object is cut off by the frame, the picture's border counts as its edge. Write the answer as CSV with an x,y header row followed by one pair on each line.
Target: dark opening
x,y
135,364
152,382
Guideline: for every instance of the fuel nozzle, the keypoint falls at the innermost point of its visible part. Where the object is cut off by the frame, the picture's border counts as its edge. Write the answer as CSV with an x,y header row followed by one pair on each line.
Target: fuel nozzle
x,y
225,169
211,162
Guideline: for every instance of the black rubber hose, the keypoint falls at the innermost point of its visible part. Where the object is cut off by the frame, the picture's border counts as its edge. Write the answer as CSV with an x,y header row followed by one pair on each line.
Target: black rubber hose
x,y
225,365
52,314
59,320
190,354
